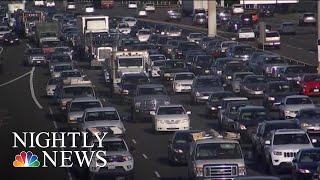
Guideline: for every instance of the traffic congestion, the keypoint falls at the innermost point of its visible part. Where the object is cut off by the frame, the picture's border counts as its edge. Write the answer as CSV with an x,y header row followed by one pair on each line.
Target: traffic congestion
x,y
171,100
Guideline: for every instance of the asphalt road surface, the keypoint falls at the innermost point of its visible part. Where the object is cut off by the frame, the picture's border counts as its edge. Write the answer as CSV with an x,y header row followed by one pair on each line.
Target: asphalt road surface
x,y
22,109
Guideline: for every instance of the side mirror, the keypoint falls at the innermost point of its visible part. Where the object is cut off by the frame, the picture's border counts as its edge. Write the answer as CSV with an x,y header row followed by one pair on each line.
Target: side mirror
x,y
267,142
188,112
153,113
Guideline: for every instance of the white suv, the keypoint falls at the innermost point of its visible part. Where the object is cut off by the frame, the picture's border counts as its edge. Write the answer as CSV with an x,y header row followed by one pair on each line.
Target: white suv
x,y
282,145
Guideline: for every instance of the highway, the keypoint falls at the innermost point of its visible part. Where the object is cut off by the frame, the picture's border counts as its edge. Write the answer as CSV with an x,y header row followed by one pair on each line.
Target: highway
x,y
20,110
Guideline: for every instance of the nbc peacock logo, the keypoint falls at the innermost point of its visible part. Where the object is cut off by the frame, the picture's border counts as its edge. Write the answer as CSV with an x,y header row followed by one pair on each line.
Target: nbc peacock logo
x,y
26,159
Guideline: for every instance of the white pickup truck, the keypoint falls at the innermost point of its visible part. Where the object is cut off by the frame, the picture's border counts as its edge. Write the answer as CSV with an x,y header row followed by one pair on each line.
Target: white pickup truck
x,y
246,34
272,39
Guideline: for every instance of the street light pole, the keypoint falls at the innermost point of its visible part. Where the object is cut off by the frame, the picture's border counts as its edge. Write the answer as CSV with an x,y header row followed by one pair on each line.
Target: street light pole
x,y
212,18
318,30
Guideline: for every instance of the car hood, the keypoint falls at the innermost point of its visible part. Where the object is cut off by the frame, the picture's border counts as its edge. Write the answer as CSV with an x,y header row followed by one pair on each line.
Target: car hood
x,y
172,117
299,106
76,114
256,86
291,147
239,162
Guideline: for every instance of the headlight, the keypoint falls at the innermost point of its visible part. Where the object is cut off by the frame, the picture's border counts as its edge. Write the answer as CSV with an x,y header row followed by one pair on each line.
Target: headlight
x,y
199,171
167,102
184,120
137,104
198,94
213,108
229,77
125,91
242,127
271,98
219,72
304,171
72,119
127,158
242,170
277,153
305,125
177,150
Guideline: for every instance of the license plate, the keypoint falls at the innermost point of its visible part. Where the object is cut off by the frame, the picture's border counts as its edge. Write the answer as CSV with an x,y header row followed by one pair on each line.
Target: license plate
x,y
316,90
111,167
206,71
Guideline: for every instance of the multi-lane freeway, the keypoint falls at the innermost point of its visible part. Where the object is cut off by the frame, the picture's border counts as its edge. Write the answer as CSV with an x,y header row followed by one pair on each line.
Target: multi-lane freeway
x,y
24,106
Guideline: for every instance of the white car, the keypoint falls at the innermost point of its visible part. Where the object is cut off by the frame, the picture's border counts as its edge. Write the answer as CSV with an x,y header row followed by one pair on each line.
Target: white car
x,y
171,118
132,5
237,9
50,3
89,9
131,21
38,3
155,70
246,34
143,35
182,82
124,28
58,68
103,117
51,86
194,37
291,105
149,7
282,146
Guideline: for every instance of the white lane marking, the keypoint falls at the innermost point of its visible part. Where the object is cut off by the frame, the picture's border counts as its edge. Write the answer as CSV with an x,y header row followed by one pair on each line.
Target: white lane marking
x,y
145,156
59,136
32,89
28,45
11,81
157,174
134,141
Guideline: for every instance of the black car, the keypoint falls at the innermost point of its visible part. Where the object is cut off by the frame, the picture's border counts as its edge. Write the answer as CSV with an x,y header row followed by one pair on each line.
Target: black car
x,y
234,25
253,86
275,91
246,20
11,39
183,49
129,83
178,146
201,64
305,164
214,102
170,67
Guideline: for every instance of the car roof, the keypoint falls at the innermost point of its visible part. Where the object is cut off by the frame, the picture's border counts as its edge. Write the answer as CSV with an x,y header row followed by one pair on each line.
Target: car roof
x,y
289,131
216,140
270,122
150,85
235,99
171,105
85,99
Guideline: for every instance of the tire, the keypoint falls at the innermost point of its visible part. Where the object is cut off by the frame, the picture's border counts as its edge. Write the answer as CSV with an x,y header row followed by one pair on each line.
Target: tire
x,y
272,170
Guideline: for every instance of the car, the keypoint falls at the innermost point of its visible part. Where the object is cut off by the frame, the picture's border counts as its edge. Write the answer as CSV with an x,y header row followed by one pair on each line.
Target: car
x,y
178,146
237,79
266,12
174,14
253,86
11,39
264,63
308,119
230,68
124,28
58,68
155,70
149,7
34,56
246,34
194,37
89,9
131,21
224,46
272,40
218,64
203,86
310,84
201,64
290,105
102,117
200,19
144,35
274,93
233,25
246,20
69,76
129,83
257,29
182,82
51,86
305,163
147,98
120,162
142,13
294,73
307,19
77,106
171,117
237,9
287,28
173,31
214,102
132,5
283,145
171,67
240,51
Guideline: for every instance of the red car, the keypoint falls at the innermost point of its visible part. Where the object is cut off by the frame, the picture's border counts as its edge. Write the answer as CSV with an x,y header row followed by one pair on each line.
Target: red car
x,y
310,84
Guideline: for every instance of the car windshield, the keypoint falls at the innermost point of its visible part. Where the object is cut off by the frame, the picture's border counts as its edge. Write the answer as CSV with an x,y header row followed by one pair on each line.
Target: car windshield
x,y
195,35
298,100
227,44
255,79
309,114
144,32
276,126
288,24
158,63
174,64
123,25
313,77
279,88
181,138
296,70
66,74
184,76
127,62
170,110
254,115
233,67
59,58
102,115
242,75
218,151
245,30
204,61
272,34
310,156
81,106
152,91
282,139
208,82
62,68
134,79
35,51
156,58
110,146
71,92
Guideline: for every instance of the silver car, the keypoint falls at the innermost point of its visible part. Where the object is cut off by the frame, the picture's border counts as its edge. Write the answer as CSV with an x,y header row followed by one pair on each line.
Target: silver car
x,y
291,105
58,68
237,79
182,82
103,117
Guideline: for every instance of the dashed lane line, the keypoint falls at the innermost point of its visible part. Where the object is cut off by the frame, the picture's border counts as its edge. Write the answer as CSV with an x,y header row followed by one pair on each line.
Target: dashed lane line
x,y
134,141
144,156
157,174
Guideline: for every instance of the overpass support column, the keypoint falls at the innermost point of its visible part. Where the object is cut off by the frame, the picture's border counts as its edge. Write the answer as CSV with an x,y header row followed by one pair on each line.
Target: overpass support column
x,y
212,18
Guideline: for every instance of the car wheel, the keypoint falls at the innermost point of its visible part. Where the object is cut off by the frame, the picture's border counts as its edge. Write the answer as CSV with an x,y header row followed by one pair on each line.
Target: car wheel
x,y
272,170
